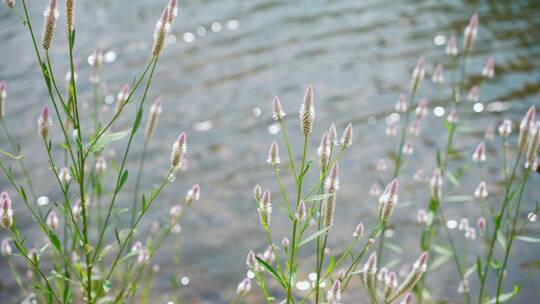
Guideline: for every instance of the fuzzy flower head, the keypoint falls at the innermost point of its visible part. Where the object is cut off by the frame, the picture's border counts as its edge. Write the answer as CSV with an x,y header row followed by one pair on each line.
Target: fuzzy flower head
x,y
438,74
324,150
179,149
415,128
44,123
408,148
52,220
422,216
452,117
479,154
401,104
332,181
451,46
122,97
332,134
277,109
346,139
358,231
257,192
481,223
334,294
251,260
143,256
301,211
418,74
436,184
243,287
51,15
163,27
534,143
470,33
285,243
505,129
470,234
64,175
481,191
70,14
10,3
265,209
473,94
5,201
369,272
391,129
273,154
418,269
6,218
307,112
525,128
388,200
463,224
6,248
489,68
173,11
193,194
155,112
422,109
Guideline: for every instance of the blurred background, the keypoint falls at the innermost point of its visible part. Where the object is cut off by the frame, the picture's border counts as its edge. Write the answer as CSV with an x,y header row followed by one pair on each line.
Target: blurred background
x,y
223,64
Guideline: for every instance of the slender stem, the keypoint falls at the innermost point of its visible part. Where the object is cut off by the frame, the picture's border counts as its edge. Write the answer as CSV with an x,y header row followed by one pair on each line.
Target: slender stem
x,y
138,182
17,277
289,151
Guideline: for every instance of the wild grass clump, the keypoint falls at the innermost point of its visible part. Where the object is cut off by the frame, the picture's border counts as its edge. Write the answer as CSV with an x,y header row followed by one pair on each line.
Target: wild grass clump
x,y
86,253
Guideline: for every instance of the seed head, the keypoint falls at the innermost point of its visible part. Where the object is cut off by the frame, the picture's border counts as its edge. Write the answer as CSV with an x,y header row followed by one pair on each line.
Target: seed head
x,y
451,46
369,272
243,287
401,104
473,94
257,192
163,27
479,154
153,117
49,25
6,248
173,11
324,151
301,211
358,231
525,128
332,134
334,294
70,15
388,200
470,33
418,74
44,123
10,3
489,68
436,184
193,194
505,129
534,143
52,220
278,111
179,149
481,191
273,154
346,139
408,299
307,112
419,267
438,74
251,260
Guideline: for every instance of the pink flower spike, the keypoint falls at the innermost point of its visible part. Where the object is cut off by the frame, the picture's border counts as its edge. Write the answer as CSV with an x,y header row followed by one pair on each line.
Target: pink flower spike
x,y
479,154
5,201
438,74
473,94
278,110
489,68
451,46
44,123
470,33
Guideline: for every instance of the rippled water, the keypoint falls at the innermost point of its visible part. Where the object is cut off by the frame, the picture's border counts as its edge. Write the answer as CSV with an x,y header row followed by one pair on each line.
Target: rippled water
x,y
217,79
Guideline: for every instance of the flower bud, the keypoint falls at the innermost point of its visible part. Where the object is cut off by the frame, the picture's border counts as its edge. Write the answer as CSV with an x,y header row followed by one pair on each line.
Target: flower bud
x,y
452,117
162,30
534,143
408,299
143,256
422,108
388,200
193,194
473,94
64,175
273,154
334,294
301,210
505,129
257,192
332,134
451,46
470,33
481,191
324,151
358,231
278,111
10,3
438,74
52,220
470,234
401,104
251,260
173,11
49,25
153,117
44,123
179,148
418,74
174,212
369,271
76,210
419,267
422,216
436,184
243,287
307,112
285,242
479,154
6,248
481,223
489,69
524,128
346,139
268,255
5,200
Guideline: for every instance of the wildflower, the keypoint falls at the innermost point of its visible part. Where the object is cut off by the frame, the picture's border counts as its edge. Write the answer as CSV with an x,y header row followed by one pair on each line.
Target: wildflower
x,y
76,210
408,299
173,11
401,104
307,112
52,220
332,134
391,129
278,111
388,200
285,242
301,210
70,15
334,294
324,151
418,74
346,139
5,200
463,286
481,223
179,148
490,133
534,143
155,111
273,154
122,98
473,94
408,149
143,256
175,212
470,33
101,165
451,46
479,154
193,194
163,27
268,255
358,231
44,123
390,286
51,15
176,229
369,271
257,192
382,165
436,184
481,191
489,69
415,128
370,242
418,175
375,190
452,117
6,217
422,216
524,128
10,3
422,108
382,276
505,129
332,186
470,234
3,95
265,208
419,267
64,175
251,260
6,248
463,224
438,74
243,287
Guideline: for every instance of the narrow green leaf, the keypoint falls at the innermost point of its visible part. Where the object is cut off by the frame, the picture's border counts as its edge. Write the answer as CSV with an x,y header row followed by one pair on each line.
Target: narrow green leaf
x,y
123,180
313,236
528,239
102,141
137,120
272,271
